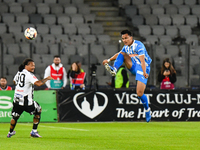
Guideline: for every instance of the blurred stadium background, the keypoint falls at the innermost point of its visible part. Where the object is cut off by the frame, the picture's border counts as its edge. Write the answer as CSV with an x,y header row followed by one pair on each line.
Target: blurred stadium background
x,y
169,28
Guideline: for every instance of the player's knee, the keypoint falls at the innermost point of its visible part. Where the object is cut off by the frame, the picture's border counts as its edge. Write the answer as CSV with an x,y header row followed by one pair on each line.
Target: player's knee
x,y
140,93
14,119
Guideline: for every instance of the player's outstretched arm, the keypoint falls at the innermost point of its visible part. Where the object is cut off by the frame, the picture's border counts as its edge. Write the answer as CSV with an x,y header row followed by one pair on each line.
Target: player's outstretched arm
x,y
42,82
111,59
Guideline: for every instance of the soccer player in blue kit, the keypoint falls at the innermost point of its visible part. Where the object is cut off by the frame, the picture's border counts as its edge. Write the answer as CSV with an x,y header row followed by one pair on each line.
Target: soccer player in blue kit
x,y
137,60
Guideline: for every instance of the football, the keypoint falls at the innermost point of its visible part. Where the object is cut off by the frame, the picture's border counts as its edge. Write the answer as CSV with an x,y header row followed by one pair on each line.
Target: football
x,y
30,33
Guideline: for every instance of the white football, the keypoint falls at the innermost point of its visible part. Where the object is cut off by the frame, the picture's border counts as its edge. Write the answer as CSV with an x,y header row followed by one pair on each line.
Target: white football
x,y
30,33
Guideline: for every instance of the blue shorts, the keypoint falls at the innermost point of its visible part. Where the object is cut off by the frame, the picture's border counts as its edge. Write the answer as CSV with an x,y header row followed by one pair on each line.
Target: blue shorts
x,y
138,72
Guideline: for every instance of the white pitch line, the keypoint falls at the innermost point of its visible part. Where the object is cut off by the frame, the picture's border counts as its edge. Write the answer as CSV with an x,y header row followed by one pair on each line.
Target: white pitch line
x,y
60,127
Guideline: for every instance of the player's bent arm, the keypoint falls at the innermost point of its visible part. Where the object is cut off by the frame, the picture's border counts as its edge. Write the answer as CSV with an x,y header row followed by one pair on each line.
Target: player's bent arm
x,y
141,57
110,59
42,82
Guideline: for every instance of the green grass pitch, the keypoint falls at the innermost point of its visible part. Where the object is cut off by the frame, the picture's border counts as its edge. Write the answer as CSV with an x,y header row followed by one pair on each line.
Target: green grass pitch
x,y
103,136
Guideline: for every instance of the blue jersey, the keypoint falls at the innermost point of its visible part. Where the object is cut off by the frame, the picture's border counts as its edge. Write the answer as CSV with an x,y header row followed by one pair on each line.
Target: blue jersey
x,y
137,48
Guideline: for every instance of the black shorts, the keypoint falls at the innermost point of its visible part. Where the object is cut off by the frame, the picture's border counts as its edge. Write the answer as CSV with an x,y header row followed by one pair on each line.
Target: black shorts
x,y
17,110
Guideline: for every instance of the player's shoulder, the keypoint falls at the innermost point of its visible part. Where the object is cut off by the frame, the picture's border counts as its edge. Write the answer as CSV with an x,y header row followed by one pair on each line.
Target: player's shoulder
x,y
138,42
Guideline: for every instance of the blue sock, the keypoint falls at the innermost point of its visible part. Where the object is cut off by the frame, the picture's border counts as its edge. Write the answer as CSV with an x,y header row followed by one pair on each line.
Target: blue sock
x,y
119,61
144,100
132,69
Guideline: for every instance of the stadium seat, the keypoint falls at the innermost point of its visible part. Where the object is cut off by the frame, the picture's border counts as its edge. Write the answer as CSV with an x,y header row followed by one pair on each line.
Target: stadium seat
x,y
48,38
192,39
56,8
69,49
77,18
190,2
3,28
42,8
151,19
89,39
144,30
123,3
152,39
103,38
110,50
74,58
173,50
37,58
15,7
89,18
93,59
25,48
165,39
194,80
157,9
8,18
49,19
70,9
97,49
19,37
7,38
22,1
160,50
13,49
53,49
101,71
144,9
104,79
41,68
22,18
56,29
19,58
3,8
27,25
70,29
183,9
151,2
194,60
185,30
137,20
35,18
158,30
82,49
191,20
36,1
178,19
47,59
83,29
78,2
137,2
63,38
177,2
164,19
29,8
172,31
42,28
12,69
64,1
14,28
96,28
195,10
171,9
130,10
41,48
63,19
76,39
50,1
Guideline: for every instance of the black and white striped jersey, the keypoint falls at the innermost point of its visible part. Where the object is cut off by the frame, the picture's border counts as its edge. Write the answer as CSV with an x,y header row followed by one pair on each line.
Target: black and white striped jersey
x,y
24,87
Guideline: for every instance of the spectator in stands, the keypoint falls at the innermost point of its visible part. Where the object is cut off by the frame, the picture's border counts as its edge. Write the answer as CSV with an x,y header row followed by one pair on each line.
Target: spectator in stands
x,y
121,80
77,77
167,75
58,72
3,84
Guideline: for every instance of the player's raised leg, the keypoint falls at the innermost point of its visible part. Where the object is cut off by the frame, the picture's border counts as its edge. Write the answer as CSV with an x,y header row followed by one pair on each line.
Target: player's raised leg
x,y
121,58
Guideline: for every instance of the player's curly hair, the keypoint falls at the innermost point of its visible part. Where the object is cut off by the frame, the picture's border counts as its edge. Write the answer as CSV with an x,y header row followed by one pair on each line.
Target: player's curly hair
x,y
25,62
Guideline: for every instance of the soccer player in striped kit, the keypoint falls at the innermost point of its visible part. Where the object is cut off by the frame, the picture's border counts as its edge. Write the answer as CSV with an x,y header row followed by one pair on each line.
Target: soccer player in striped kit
x,y
137,60
23,97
